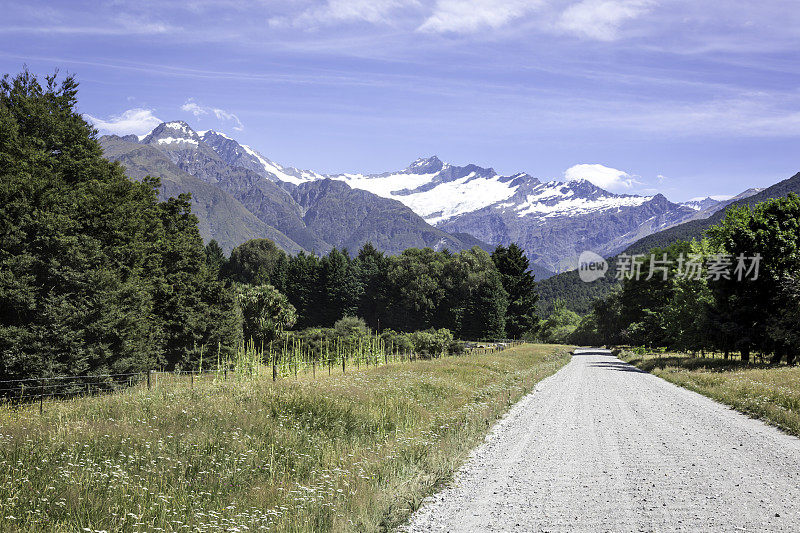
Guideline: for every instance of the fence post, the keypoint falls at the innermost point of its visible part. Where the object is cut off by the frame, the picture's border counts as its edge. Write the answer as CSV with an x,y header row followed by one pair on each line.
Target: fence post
x,y
191,373
343,360
149,382
274,369
314,368
41,396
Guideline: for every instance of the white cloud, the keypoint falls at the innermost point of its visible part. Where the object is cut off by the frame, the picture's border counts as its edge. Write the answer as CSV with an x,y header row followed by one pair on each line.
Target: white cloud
x,y
198,110
193,108
604,177
335,11
138,121
468,16
601,19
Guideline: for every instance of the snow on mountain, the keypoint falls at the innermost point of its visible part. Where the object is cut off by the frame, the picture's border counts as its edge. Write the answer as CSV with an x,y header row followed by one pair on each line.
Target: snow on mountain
x,y
177,132
553,221
700,203
433,189
578,197
438,191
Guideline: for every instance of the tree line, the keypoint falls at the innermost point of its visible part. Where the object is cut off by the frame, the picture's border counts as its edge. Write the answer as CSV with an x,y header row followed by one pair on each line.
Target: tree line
x,y
99,276
471,293
714,310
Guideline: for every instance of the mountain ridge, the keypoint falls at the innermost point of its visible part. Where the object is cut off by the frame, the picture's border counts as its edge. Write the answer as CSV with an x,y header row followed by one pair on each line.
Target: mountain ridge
x,y
295,216
553,221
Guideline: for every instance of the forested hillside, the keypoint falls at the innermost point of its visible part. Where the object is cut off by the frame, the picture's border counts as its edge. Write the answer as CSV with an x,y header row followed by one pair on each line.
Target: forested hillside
x,y
579,296
738,290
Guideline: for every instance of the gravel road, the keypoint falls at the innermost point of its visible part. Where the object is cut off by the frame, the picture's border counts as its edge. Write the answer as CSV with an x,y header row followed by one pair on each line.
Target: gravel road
x,y
602,446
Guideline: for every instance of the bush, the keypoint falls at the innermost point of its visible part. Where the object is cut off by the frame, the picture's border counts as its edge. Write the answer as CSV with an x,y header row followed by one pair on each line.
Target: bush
x,y
432,342
351,326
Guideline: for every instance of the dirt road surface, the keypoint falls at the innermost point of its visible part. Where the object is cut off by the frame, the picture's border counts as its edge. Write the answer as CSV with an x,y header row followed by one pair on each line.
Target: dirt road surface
x,y
602,446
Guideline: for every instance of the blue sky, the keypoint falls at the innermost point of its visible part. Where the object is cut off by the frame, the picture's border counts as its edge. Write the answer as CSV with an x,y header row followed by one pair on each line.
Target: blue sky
x,y
682,97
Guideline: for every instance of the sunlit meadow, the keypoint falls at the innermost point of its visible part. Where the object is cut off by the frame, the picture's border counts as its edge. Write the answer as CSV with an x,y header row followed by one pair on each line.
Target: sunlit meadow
x,y
341,452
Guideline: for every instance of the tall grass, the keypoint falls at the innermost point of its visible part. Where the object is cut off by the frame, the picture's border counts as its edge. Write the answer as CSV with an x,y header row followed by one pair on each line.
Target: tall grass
x,y
348,452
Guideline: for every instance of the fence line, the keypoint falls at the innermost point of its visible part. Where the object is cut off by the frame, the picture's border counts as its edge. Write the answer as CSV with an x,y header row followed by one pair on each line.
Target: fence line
x,y
279,365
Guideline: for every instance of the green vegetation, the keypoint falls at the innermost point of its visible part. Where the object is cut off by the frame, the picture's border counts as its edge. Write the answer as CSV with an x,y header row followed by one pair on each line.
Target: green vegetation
x,y
699,310
342,453
580,297
769,392
471,293
97,276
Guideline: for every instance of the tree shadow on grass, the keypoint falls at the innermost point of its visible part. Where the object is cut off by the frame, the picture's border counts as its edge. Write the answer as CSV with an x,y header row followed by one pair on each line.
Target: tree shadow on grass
x,y
616,365
695,363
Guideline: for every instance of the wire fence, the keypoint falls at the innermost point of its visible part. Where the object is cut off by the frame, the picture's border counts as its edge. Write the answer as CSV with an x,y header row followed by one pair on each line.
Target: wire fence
x,y
277,366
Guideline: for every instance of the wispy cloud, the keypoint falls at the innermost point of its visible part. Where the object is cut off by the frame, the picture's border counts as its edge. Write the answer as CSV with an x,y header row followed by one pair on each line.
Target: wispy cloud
x,y
198,110
468,16
604,177
601,19
342,11
138,121
119,25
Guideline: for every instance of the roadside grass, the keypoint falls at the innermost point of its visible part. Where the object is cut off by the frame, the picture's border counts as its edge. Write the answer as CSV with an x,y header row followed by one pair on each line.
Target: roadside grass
x,y
353,452
768,392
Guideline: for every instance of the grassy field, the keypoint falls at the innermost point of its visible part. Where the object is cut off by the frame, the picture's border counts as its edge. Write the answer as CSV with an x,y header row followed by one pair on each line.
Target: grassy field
x,y
341,453
771,393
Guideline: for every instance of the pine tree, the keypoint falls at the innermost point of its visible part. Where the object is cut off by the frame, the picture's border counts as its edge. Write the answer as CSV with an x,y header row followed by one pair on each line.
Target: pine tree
x,y
95,274
371,267
303,288
520,286
341,290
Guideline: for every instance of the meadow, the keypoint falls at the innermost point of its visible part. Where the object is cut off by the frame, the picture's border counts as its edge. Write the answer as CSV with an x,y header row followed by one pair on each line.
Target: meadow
x,y
768,392
350,452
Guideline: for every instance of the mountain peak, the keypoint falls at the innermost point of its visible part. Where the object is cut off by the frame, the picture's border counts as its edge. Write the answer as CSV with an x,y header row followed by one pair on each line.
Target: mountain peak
x,y
426,165
213,133
176,132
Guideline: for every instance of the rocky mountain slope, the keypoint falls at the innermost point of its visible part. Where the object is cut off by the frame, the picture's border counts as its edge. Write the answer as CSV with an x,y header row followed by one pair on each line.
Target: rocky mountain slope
x,y
579,296
552,221
248,201
221,216
429,203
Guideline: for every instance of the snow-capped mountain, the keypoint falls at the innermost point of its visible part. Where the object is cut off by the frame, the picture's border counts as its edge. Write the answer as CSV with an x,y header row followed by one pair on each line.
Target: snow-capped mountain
x,y
554,221
315,216
244,156
701,204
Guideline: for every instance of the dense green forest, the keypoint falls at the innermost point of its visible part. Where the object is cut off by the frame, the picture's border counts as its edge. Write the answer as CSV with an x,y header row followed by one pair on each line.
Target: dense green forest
x,y
741,308
99,276
472,293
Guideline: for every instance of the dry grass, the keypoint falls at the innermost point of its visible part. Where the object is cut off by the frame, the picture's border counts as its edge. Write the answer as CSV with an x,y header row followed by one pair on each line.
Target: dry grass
x,y
354,452
771,393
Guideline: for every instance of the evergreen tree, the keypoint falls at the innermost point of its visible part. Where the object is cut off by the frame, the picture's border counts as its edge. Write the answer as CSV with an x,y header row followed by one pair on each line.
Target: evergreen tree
x,y
520,285
371,268
303,288
341,290
95,274
484,315
215,257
